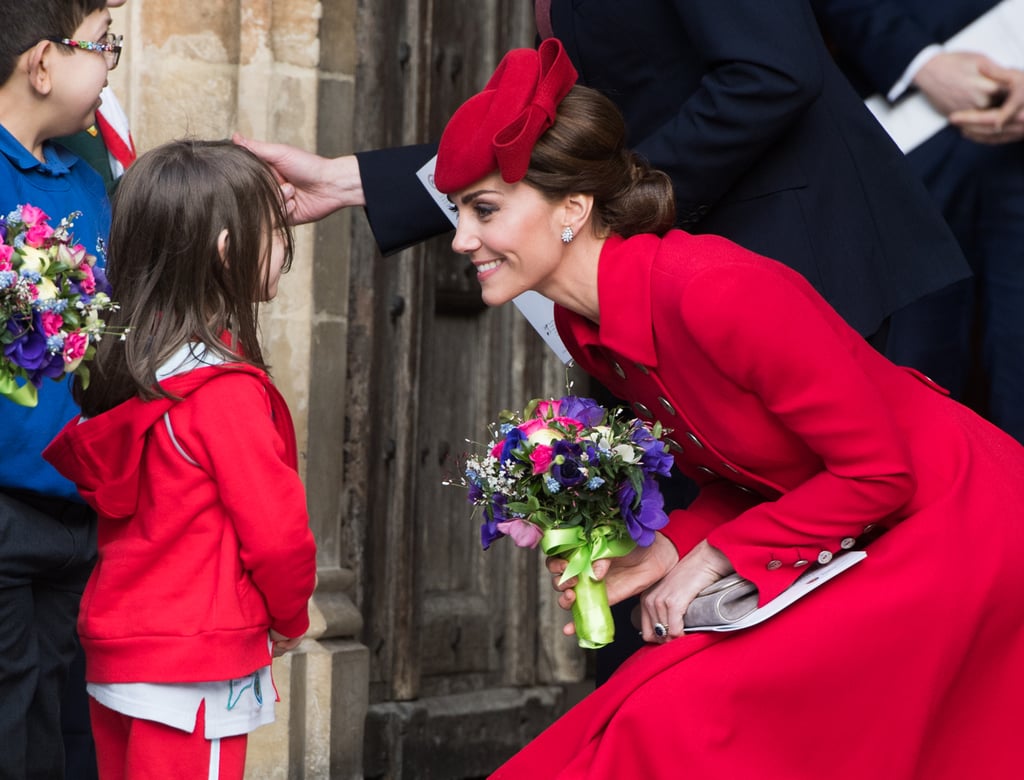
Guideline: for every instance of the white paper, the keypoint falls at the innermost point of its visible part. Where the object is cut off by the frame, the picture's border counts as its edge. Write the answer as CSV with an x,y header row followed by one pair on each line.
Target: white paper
x,y
538,310
998,34
807,582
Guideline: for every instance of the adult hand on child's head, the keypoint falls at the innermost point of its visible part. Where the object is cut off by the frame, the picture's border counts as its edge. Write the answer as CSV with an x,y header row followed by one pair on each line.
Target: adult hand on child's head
x,y
313,186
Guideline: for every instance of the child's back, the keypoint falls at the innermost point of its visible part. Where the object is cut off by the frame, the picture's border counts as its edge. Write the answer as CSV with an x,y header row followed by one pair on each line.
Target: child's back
x,y
187,452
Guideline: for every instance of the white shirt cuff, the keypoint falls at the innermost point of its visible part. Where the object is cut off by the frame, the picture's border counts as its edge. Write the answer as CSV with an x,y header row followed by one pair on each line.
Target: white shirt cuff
x,y
915,65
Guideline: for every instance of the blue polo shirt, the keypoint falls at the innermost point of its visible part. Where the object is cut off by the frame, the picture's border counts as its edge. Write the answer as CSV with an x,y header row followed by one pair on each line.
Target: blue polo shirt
x,y
59,186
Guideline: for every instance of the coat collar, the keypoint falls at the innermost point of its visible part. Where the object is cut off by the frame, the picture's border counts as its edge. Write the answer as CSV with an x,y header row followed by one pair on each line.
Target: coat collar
x,y
624,297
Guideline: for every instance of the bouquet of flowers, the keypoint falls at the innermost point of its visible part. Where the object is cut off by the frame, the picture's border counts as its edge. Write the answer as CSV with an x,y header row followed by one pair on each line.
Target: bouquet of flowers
x,y
579,480
51,296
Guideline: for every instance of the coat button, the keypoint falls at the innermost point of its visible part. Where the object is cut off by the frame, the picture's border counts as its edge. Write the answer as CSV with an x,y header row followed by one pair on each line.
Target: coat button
x,y
706,470
869,528
824,557
848,543
664,402
642,368
673,445
729,467
642,410
694,439
773,565
618,369
800,564
745,489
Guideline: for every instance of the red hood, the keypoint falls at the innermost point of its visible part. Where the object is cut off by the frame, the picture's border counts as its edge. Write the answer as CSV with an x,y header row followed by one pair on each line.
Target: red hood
x,y
101,455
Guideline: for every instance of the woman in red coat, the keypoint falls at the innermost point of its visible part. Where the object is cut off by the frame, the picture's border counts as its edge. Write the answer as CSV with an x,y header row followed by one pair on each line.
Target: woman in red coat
x,y
805,442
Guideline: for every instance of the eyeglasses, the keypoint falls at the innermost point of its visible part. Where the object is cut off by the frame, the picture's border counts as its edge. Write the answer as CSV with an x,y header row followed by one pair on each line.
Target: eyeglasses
x,y
109,46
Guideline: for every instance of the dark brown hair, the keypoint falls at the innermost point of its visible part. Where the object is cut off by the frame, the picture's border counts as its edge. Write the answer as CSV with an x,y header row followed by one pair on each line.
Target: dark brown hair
x,y
167,274
23,23
584,151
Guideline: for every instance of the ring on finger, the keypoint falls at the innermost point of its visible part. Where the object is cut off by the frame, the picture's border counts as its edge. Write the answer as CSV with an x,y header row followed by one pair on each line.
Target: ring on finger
x,y
660,630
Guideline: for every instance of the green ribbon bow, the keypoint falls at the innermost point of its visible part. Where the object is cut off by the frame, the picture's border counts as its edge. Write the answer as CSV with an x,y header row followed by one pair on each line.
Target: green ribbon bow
x,y
26,395
590,611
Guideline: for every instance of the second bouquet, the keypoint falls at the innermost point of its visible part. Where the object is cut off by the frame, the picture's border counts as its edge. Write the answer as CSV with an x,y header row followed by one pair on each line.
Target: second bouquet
x,y
580,481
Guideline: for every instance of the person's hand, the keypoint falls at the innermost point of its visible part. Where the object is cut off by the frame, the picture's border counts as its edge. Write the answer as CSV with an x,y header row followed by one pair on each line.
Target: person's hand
x,y
955,81
623,577
667,600
1003,123
282,643
313,186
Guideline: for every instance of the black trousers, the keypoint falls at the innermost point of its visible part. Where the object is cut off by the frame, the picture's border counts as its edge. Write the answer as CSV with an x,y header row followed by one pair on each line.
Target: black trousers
x,y
47,550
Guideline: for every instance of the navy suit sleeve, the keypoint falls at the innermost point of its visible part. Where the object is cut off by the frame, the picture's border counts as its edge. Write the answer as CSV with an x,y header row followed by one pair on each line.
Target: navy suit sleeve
x,y
763,69
879,37
400,211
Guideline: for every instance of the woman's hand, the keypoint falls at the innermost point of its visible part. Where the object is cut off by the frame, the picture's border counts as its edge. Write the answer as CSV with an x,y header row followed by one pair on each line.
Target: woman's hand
x,y
312,186
666,601
623,577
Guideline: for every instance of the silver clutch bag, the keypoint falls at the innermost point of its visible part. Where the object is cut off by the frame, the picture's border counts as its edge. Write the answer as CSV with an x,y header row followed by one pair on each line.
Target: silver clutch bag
x,y
730,599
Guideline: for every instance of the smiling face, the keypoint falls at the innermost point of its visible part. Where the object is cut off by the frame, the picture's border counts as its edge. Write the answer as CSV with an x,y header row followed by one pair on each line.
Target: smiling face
x,y
511,234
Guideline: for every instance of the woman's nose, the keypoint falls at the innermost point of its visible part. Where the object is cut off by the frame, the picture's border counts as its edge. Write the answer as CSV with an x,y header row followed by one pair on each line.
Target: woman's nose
x,y
464,242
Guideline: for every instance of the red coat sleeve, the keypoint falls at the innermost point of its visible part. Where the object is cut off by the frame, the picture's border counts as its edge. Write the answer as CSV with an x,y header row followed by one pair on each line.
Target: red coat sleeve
x,y
230,432
772,336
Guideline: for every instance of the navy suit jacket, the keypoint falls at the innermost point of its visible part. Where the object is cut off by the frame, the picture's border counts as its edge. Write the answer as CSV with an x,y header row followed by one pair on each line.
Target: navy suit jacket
x,y
765,141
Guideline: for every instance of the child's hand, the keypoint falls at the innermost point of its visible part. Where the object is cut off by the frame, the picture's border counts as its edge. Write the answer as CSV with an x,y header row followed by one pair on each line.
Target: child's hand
x,y
282,643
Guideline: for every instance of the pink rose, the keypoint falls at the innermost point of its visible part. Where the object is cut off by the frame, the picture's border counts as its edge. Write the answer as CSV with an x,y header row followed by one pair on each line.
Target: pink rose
x,y
524,534
88,283
75,345
52,323
32,216
541,458
6,253
38,234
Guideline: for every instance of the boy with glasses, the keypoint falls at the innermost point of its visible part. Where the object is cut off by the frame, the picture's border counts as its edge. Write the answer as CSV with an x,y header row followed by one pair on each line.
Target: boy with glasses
x,y
54,60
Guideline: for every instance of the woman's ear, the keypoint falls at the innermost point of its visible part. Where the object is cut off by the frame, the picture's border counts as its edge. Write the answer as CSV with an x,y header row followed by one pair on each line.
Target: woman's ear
x,y
578,209
222,245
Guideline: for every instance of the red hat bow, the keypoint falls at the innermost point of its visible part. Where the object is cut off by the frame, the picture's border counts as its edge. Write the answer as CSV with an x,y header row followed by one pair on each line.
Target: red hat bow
x,y
497,128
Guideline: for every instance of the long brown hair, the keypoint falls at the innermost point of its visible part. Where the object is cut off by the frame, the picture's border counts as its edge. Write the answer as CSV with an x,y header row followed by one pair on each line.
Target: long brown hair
x,y
167,272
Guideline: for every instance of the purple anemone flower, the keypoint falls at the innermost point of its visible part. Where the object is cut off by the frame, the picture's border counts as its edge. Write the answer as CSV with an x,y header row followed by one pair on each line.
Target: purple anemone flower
x,y
643,520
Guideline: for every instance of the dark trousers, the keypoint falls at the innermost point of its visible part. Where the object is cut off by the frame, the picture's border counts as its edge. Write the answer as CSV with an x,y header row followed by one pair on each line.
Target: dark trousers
x,y
970,337
47,550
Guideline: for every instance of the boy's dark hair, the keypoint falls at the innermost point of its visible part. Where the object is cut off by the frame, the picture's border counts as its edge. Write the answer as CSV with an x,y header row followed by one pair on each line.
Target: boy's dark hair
x,y
23,23
165,265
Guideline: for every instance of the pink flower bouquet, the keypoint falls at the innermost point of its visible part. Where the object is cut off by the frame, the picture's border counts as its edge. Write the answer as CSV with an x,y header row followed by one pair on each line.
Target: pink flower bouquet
x,y
580,481
51,296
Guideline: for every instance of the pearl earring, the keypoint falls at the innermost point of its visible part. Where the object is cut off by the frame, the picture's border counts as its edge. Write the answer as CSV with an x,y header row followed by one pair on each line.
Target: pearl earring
x,y
567,235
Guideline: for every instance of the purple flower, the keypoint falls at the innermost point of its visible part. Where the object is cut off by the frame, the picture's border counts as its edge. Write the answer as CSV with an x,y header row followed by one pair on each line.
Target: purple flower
x,y
644,516
586,410
493,514
566,467
102,283
28,349
655,458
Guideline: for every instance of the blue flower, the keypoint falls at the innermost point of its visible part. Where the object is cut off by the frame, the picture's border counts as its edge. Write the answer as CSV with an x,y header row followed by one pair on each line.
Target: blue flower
x,y
513,439
594,483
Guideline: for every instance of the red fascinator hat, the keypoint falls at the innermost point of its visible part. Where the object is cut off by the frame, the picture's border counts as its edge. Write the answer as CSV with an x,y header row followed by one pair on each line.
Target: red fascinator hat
x,y
496,129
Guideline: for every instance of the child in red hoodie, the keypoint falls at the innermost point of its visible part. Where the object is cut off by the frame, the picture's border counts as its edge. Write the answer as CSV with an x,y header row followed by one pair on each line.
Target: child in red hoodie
x,y
186,450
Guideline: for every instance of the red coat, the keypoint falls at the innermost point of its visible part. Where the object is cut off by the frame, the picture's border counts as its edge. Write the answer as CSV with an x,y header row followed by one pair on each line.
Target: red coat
x,y
204,539
911,664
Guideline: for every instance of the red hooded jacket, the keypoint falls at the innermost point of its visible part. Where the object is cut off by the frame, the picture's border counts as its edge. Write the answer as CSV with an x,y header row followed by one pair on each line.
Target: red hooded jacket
x,y
204,540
